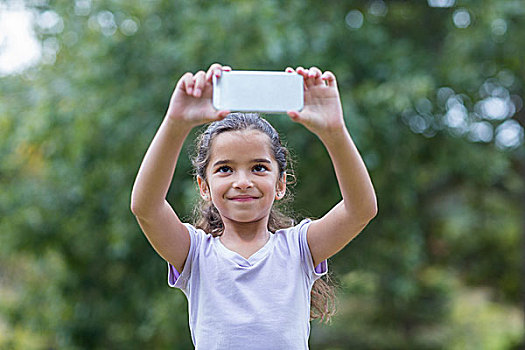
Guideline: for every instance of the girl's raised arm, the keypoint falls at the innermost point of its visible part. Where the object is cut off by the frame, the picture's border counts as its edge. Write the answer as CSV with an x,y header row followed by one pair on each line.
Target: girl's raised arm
x,y
323,115
190,105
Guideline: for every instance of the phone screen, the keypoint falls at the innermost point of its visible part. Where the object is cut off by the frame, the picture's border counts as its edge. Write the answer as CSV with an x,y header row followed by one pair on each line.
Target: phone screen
x,y
258,91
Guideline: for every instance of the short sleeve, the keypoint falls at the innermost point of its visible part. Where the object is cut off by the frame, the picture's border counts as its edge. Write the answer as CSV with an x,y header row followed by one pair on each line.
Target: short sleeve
x,y
178,279
306,255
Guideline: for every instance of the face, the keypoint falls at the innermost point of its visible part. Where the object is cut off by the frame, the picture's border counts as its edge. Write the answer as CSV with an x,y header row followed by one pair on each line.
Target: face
x,y
242,177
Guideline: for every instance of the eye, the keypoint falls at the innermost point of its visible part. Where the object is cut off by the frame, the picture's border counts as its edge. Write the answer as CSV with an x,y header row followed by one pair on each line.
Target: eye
x,y
259,168
223,169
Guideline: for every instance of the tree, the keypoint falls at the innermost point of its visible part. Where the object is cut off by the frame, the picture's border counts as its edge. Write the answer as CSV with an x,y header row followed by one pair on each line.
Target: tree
x,y
431,96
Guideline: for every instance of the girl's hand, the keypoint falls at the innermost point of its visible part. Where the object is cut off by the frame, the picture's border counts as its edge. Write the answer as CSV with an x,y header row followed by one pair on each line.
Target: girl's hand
x,y
191,101
322,113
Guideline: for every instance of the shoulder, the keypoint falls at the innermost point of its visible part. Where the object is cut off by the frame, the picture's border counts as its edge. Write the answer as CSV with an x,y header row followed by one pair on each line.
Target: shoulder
x,y
194,231
295,236
296,242
198,236
199,241
294,231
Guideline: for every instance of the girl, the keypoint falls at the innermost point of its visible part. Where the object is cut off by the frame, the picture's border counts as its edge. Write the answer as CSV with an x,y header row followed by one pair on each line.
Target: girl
x,y
247,272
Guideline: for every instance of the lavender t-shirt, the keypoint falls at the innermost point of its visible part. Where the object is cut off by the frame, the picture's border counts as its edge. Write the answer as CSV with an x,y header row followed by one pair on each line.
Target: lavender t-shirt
x,y
262,302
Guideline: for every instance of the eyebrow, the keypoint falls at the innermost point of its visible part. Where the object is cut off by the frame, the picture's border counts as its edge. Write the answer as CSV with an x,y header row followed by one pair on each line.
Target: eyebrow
x,y
227,161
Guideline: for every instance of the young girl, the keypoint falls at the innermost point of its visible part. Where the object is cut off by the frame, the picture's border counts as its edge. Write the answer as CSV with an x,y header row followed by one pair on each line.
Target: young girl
x,y
248,272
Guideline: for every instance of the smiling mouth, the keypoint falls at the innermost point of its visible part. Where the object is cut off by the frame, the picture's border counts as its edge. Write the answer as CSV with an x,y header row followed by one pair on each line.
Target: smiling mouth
x,y
243,198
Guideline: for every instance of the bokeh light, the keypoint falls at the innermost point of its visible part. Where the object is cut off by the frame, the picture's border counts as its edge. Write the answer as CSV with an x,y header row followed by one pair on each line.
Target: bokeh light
x,y
354,19
461,18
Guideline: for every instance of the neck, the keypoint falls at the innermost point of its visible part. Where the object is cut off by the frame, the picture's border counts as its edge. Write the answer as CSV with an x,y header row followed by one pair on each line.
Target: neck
x,y
245,232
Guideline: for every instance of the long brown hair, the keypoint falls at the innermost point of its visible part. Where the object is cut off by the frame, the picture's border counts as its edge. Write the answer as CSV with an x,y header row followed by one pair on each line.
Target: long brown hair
x,y
207,217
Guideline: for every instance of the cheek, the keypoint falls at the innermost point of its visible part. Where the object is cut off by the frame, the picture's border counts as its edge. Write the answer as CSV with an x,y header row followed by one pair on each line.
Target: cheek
x,y
272,186
218,185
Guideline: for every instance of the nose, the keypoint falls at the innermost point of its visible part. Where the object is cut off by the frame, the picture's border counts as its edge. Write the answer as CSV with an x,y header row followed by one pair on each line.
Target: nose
x,y
242,181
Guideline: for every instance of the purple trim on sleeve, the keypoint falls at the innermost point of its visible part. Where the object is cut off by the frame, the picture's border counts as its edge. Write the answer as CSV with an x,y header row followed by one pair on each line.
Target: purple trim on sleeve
x,y
322,267
173,275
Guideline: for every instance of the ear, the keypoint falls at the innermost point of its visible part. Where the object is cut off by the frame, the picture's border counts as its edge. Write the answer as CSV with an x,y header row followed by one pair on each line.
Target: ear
x,y
280,188
204,190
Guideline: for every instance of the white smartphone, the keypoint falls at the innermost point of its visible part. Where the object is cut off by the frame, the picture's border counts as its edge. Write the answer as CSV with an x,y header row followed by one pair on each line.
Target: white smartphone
x,y
258,91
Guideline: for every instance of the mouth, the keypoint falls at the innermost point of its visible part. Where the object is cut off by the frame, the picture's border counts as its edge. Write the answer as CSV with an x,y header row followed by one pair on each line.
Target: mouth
x,y
243,198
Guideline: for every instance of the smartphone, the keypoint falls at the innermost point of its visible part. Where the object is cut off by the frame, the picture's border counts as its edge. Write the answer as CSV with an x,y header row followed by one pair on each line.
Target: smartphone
x,y
258,91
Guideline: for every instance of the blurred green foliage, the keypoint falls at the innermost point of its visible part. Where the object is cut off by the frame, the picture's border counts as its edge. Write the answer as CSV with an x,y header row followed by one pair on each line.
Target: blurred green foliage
x,y
432,99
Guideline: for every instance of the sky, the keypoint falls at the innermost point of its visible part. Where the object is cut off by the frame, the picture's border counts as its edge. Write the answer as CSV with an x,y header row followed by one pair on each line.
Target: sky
x,y
19,48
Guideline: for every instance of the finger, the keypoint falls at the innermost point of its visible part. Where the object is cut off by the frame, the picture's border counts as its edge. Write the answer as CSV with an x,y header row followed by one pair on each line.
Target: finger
x,y
294,115
214,68
199,81
218,72
222,114
301,71
217,115
289,70
329,78
314,75
304,73
308,82
186,83
211,73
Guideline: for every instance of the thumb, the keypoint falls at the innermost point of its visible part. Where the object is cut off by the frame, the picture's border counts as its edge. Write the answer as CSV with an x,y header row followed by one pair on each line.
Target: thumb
x,y
294,115
221,114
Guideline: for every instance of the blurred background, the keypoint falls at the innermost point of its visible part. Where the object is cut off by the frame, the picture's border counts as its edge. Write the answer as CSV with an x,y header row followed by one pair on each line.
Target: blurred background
x,y
433,96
